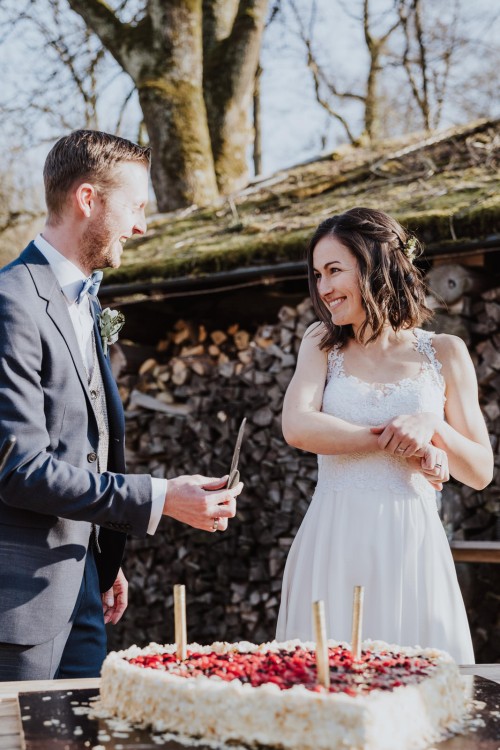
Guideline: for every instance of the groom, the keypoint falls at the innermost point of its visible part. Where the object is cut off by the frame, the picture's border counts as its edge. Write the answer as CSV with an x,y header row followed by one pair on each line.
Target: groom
x,y
66,503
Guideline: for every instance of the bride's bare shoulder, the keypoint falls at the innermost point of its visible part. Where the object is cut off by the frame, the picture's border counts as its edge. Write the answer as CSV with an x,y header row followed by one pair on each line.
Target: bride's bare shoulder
x,y
449,347
315,330
310,347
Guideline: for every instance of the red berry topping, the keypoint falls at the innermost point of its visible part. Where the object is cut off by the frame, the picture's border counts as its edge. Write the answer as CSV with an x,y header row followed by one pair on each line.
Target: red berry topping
x,y
374,671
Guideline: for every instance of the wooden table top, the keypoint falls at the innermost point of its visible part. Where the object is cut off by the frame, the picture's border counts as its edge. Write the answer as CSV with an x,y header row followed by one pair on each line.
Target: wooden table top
x,y
10,721
10,727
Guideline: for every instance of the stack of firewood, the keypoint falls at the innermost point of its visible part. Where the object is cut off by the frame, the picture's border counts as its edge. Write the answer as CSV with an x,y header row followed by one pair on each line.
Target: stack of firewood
x,y
470,514
183,409
476,515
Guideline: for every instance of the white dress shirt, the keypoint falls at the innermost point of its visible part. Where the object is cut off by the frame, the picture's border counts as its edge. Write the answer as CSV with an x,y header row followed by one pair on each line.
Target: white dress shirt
x,y
70,279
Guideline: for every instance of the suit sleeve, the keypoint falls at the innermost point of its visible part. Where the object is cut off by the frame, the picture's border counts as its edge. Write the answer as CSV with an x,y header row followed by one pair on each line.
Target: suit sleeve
x,y
34,478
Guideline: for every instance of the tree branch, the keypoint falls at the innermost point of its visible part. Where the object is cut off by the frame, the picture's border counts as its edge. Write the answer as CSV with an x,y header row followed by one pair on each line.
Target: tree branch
x,y
420,97
422,56
123,107
441,87
326,106
319,75
103,22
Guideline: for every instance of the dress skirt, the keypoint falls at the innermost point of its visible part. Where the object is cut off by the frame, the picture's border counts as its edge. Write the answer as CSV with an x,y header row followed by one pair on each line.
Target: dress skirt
x,y
394,546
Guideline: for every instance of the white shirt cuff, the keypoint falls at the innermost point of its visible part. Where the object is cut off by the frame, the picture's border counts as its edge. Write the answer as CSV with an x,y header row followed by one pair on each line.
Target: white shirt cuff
x,y
158,492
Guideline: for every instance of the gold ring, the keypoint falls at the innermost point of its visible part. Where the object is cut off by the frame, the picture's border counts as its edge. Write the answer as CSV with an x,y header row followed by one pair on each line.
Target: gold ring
x,y
215,525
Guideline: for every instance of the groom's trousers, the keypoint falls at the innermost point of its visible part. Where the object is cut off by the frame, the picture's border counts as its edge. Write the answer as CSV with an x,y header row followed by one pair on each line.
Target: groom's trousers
x,y
77,651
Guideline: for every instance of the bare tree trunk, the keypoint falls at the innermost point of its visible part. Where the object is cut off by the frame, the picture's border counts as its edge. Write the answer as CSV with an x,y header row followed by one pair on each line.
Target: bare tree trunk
x,y
376,48
193,63
421,94
182,169
163,56
257,125
170,86
372,122
229,77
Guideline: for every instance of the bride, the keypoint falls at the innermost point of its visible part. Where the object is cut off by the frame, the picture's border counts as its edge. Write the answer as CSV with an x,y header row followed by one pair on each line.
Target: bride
x,y
391,410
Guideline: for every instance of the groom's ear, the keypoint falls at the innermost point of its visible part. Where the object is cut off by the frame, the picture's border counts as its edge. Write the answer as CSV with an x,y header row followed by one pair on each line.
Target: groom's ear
x,y
85,198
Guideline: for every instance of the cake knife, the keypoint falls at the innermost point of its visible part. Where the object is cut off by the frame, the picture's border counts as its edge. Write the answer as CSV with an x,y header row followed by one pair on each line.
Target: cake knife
x,y
6,450
234,474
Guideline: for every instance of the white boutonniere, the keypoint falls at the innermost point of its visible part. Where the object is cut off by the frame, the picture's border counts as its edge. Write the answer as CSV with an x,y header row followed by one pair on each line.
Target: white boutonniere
x,y
110,324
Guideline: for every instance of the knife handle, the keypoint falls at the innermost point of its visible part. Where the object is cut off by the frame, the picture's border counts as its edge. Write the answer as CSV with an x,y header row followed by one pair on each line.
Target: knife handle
x,y
233,480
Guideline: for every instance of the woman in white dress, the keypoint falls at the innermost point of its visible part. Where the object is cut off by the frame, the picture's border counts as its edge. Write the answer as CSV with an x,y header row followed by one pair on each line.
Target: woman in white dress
x,y
392,411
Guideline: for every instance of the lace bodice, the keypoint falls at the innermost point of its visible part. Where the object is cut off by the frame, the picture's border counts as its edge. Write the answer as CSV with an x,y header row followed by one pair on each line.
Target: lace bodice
x,y
359,402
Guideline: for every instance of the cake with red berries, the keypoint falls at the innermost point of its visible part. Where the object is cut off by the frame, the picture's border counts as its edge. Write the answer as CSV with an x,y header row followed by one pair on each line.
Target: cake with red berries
x,y
392,698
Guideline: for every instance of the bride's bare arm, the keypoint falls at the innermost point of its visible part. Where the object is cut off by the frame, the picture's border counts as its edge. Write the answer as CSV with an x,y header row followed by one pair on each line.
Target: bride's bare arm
x,y
304,425
462,434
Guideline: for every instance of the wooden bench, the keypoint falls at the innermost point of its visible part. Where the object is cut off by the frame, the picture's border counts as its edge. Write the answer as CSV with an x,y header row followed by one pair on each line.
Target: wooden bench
x,y
478,552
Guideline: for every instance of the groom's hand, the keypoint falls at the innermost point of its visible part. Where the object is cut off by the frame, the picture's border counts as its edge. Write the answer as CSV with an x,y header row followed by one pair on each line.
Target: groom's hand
x,y
198,501
115,600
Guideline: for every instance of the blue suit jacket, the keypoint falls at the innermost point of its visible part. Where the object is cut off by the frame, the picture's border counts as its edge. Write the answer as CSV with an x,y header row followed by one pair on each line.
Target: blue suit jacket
x,y
50,491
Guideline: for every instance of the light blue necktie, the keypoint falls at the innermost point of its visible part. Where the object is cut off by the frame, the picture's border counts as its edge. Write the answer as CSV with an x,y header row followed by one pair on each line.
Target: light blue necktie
x,y
90,285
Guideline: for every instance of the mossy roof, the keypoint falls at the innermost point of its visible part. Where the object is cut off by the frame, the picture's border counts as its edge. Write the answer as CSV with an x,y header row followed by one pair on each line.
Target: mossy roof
x,y
446,188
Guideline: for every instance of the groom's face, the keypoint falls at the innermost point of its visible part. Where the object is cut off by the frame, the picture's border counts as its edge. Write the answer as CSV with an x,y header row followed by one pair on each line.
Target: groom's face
x,y
117,216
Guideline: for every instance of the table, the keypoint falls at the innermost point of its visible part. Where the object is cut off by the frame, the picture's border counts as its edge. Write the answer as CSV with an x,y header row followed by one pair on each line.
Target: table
x,y
475,552
10,730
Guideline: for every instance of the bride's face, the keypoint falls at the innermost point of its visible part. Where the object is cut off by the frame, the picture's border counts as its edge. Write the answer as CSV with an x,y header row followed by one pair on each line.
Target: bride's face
x,y
337,279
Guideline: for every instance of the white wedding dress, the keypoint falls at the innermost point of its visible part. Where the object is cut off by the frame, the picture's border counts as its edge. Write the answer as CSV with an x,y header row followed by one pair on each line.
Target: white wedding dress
x,y
374,522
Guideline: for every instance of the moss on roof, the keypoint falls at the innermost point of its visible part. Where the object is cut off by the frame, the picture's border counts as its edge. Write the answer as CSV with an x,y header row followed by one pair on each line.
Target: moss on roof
x,y
444,188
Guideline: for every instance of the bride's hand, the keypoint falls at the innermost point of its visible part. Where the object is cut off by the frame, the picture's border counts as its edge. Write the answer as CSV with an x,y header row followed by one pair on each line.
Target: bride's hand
x,y
406,435
433,464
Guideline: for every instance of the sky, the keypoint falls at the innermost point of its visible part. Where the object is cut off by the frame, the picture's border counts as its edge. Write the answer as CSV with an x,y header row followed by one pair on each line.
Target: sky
x,y
294,127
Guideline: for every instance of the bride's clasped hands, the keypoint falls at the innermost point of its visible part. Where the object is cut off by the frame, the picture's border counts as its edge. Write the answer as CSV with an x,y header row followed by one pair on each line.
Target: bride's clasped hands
x,y
409,436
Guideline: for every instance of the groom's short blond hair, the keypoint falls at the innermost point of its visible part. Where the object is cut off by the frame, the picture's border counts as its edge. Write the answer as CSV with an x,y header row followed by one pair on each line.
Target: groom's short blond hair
x,y
86,156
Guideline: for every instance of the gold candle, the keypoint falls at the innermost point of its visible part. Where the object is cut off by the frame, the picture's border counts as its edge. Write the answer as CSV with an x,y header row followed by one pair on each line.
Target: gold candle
x,y
180,620
322,662
357,622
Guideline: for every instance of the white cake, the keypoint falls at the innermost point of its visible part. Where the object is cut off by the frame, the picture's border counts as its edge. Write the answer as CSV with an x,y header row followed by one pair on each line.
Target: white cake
x,y
400,699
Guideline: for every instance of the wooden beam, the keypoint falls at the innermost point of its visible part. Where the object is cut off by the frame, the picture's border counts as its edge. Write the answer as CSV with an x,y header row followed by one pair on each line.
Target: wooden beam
x,y
478,552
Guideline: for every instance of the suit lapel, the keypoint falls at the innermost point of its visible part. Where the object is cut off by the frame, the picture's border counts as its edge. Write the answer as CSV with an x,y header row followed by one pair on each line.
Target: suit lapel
x,y
57,308
113,400
48,289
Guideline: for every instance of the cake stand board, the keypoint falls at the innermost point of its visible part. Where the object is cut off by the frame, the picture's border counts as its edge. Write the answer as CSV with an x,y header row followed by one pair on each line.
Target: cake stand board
x,y
58,719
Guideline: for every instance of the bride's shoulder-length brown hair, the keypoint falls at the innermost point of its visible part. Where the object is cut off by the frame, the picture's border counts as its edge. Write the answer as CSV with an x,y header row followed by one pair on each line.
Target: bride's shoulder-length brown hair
x,y
392,288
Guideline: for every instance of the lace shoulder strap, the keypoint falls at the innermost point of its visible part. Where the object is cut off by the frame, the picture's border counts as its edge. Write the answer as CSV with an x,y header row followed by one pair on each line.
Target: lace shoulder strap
x,y
335,367
423,345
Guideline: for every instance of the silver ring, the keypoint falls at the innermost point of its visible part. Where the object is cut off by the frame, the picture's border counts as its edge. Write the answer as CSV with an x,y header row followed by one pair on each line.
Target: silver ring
x,y
437,466
215,525
400,450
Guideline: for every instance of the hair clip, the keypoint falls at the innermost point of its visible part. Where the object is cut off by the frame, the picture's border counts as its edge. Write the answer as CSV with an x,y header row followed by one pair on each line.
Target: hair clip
x,y
410,248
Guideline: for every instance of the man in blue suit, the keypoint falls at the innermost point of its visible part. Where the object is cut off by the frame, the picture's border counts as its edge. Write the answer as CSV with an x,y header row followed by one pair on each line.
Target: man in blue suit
x,y
66,503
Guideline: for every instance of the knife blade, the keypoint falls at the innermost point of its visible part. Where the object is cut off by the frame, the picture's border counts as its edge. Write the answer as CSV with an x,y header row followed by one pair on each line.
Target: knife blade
x,y
234,474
